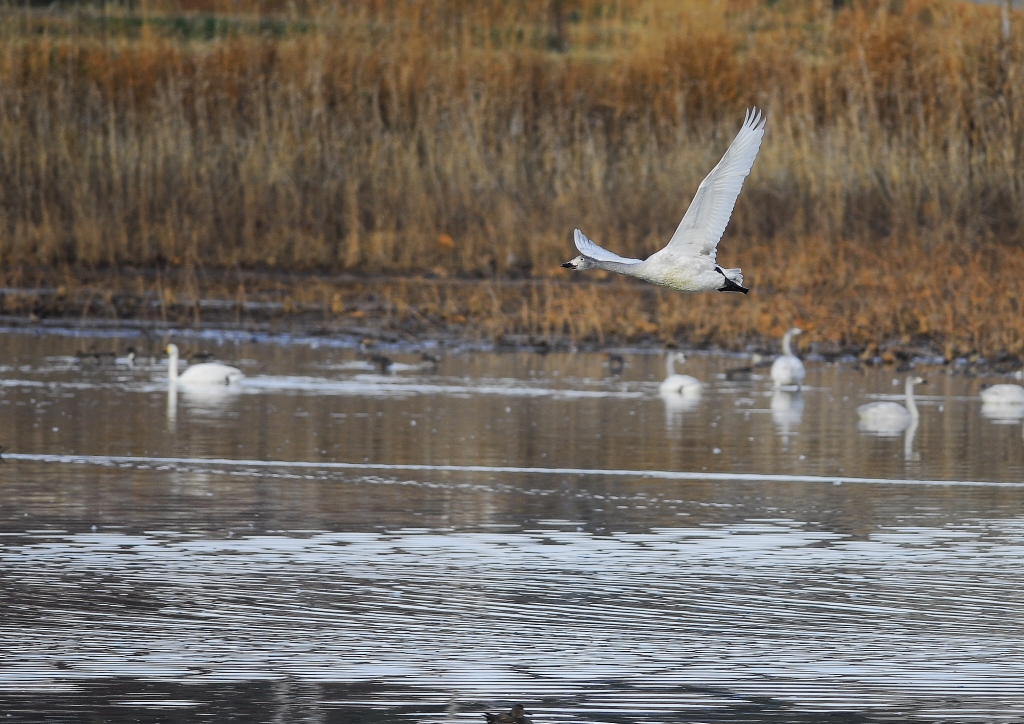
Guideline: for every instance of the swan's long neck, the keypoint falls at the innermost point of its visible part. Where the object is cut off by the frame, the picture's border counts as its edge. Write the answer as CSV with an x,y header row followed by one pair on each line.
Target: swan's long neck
x,y
172,367
786,339
911,405
670,364
618,267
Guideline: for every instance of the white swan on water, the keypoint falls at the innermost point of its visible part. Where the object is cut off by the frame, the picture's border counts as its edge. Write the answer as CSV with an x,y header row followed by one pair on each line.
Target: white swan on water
x,y
788,370
688,263
675,383
891,416
206,373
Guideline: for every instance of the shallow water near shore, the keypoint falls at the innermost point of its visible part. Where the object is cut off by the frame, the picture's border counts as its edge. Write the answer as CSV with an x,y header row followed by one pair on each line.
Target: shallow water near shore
x,y
330,542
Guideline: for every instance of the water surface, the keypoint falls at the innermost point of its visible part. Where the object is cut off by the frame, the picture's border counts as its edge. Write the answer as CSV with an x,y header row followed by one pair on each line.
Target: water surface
x,y
506,527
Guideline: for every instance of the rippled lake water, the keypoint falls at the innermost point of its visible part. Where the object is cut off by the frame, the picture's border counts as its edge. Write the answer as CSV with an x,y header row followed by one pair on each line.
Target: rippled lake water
x,y
331,543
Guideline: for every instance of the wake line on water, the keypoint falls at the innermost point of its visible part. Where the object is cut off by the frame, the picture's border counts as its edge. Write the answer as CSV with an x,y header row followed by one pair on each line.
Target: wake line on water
x,y
107,460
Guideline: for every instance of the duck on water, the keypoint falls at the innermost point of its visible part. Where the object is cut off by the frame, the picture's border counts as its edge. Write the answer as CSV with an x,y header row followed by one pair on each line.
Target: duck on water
x,y
687,263
515,716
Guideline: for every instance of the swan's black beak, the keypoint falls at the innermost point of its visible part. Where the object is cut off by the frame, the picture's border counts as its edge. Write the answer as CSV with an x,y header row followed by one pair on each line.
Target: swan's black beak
x,y
568,265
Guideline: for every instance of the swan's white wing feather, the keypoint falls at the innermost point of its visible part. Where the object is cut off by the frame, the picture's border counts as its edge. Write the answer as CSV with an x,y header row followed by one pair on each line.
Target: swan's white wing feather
x,y
704,223
588,248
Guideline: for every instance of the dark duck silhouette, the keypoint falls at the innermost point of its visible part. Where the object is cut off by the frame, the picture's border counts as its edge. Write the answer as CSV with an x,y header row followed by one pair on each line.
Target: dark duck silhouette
x,y
382,362
515,716
92,357
744,374
616,363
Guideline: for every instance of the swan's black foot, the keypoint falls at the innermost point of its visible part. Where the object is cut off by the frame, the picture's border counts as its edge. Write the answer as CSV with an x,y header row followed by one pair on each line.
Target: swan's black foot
x,y
730,285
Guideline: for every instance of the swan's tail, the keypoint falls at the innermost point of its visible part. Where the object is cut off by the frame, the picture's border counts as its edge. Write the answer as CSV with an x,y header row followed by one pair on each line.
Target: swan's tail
x,y
733,280
735,275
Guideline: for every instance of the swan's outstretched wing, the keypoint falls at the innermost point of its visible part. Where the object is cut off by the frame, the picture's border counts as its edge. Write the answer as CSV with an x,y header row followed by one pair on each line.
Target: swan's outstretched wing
x,y
589,248
704,223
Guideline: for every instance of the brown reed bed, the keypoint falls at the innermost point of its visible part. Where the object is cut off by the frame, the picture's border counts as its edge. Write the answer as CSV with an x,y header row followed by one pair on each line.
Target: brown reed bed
x,y
463,141
951,303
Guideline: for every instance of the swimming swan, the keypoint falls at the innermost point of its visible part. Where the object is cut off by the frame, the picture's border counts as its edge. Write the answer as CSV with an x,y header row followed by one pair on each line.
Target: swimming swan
x,y
207,373
890,416
1003,406
1003,395
788,370
687,263
678,384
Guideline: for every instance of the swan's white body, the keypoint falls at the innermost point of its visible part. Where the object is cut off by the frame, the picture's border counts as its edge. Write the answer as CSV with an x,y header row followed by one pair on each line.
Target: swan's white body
x,y
788,370
687,263
206,373
678,384
1003,395
890,416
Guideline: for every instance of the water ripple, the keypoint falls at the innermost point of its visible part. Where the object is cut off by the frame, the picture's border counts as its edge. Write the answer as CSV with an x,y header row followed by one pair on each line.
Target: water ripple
x,y
811,620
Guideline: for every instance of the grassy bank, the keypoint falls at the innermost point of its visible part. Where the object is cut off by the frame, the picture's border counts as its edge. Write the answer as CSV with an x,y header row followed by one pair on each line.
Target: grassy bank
x,y
950,303
464,141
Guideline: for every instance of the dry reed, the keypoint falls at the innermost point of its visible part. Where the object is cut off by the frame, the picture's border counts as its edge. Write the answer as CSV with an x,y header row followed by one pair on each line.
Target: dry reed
x,y
466,140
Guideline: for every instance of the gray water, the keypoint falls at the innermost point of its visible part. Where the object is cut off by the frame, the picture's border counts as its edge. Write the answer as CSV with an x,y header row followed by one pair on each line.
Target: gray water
x,y
329,543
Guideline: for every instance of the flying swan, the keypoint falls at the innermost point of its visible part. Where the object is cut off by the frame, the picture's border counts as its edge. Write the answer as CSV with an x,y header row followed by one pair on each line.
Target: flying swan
x,y
206,373
688,263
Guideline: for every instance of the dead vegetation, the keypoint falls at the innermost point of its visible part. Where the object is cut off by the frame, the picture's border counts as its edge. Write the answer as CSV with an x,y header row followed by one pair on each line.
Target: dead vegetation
x,y
456,145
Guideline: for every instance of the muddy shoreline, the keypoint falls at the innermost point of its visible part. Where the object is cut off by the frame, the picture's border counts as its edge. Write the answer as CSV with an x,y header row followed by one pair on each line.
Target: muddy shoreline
x,y
363,323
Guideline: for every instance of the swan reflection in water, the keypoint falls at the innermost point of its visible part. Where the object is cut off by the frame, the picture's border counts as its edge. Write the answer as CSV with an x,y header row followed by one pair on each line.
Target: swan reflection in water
x,y
908,443
172,404
787,411
1002,413
909,433
200,400
678,404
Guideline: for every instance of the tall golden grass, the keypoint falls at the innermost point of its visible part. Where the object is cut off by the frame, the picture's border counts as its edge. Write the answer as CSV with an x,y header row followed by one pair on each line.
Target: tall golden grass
x,y
468,138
